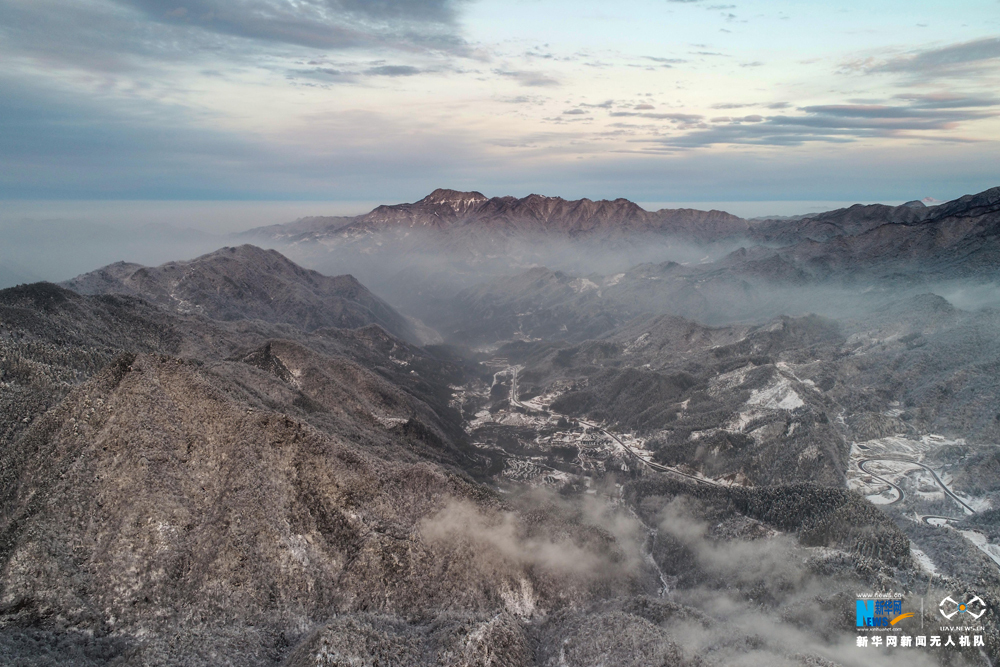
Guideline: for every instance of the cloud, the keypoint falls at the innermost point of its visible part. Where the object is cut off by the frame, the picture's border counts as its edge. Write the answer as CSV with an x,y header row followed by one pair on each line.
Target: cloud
x,y
665,62
75,147
148,121
835,123
393,70
575,112
323,75
954,60
314,23
755,118
896,112
146,36
947,101
351,72
533,100
675,117
58,146
749,587
528,78
498,541
734,105
505,538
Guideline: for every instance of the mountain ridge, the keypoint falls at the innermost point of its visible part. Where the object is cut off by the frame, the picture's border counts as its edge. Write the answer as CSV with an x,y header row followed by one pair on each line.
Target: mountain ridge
x,y
248,282
445,209
494,234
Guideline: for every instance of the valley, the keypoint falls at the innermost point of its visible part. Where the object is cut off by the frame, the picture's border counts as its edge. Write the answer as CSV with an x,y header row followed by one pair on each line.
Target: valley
x,y
479,459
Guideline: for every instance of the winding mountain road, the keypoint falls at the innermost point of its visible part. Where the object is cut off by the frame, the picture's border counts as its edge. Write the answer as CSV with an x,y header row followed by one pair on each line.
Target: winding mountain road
x,y
926,518
899,491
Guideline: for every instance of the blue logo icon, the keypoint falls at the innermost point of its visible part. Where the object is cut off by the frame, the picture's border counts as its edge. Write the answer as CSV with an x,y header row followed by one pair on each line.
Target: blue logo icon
x,y
880,613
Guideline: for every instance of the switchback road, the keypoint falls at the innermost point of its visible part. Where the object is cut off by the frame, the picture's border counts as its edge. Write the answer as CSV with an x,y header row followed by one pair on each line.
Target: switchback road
x,y
937,479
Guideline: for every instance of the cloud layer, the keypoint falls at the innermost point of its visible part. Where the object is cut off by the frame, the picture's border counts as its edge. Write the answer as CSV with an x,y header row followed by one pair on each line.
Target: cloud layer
x,y
318,98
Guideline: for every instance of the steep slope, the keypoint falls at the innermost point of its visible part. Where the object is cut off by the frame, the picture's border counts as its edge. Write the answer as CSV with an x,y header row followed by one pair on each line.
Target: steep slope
x,y
51,339
722,401
158,505
167,509
249,283
302,227
247,492
540,303
533,304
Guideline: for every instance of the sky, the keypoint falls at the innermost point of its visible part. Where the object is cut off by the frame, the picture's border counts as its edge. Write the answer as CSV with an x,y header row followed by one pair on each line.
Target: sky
x,y
386,100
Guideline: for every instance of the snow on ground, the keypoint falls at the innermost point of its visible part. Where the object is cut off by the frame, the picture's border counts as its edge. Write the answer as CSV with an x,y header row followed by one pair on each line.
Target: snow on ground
x,y
779,396
788,370
726,381
543,401
583,285
983,544
923,560
518,419
637,343
898,445
887,497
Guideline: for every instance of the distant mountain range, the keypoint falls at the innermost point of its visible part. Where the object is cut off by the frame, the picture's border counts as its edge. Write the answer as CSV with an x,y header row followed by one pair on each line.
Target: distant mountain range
x,y
455,212
492,269
458,212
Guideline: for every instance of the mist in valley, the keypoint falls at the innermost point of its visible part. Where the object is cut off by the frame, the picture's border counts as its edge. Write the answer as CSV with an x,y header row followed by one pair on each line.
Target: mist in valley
x,y
357,333
562,448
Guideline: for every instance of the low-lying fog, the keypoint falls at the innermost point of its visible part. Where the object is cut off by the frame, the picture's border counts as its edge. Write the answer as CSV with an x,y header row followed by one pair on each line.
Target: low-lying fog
x,y
758,562
424,274
57,240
